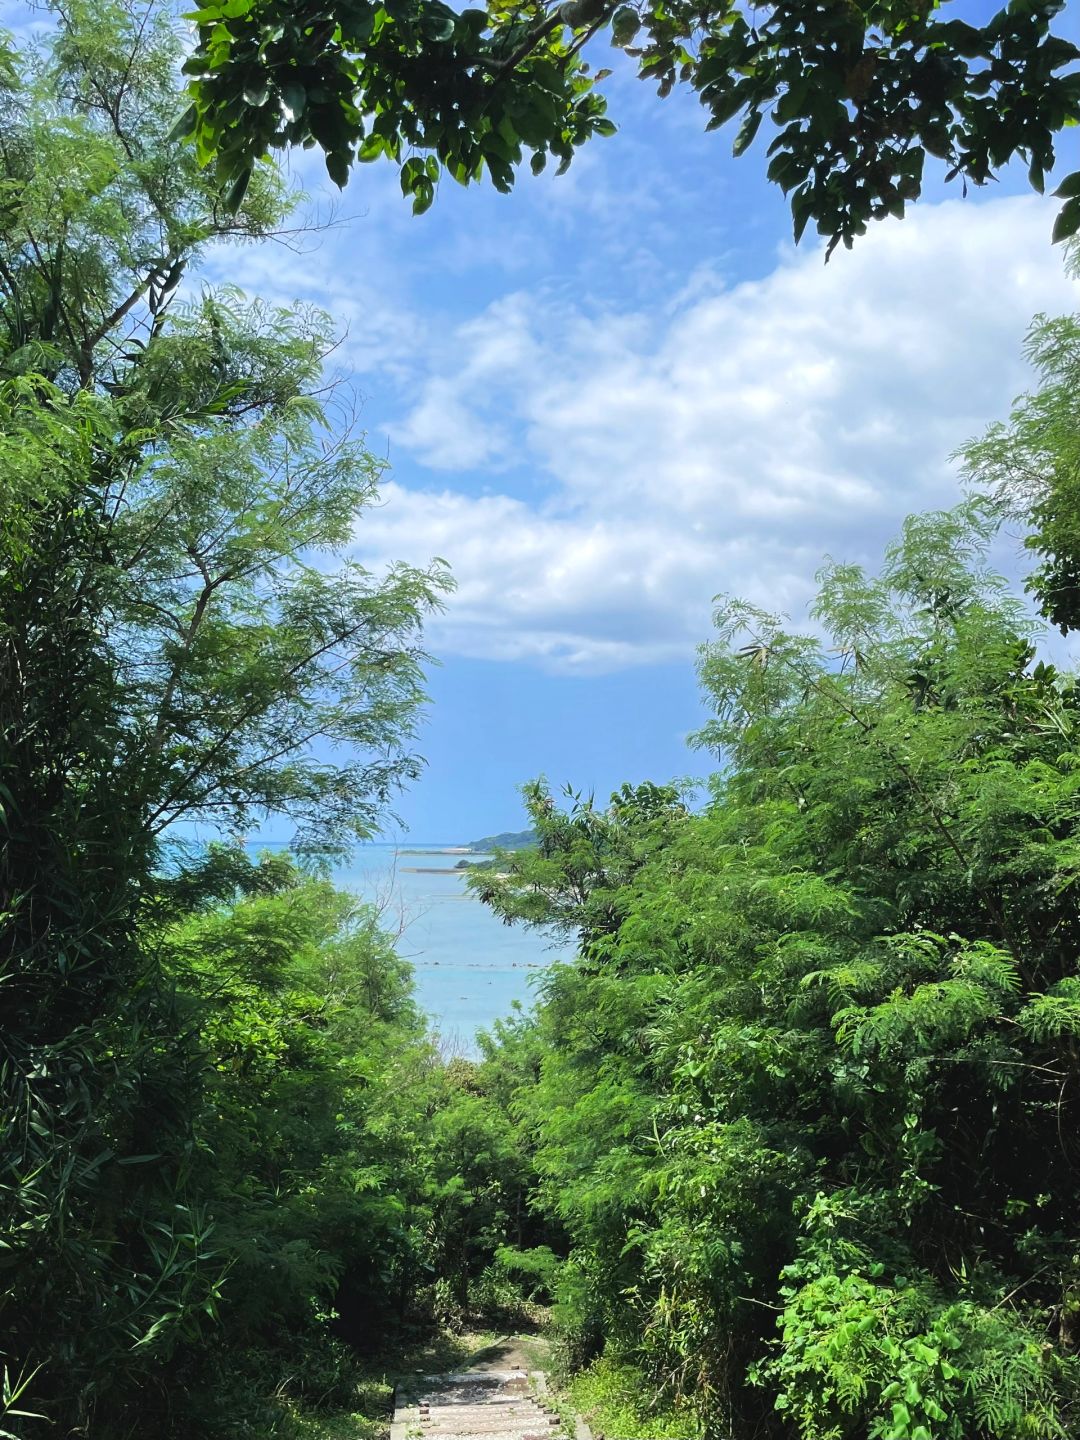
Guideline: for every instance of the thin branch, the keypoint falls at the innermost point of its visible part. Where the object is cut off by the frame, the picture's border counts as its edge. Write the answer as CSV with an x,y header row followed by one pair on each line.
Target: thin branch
x,y
112,320
198,615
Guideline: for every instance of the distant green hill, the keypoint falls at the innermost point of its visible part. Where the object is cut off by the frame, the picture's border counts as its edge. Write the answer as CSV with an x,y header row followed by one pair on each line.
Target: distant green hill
x,y
507,840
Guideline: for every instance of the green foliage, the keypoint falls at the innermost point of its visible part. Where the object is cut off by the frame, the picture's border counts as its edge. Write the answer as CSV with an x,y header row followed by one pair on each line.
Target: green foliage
x,y
614,1399
101,215
1032,465
477,1177
224,497
804,1104
569,877
914,1367
312,1130
428,87
108,1260
178,627
860,93
538,1269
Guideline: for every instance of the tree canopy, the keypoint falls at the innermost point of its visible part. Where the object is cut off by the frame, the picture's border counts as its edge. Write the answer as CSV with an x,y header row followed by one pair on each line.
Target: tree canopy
x,y
180,629
806,1101
1032,465
241,636
860,94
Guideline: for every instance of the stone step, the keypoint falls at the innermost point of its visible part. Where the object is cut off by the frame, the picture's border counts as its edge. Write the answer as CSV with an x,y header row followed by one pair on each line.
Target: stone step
x,y
509,1433
534,1425
460,1390
471,1405
484,1414
465,1395
494,1410
437,1424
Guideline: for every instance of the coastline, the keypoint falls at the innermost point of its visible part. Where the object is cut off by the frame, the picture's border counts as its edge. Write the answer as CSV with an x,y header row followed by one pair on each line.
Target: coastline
x,y
440,850
430,870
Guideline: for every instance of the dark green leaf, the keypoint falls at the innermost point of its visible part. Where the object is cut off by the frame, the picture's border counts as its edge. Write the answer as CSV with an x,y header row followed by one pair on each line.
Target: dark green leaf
x,y
185,126
747,130
338,163
295,97
1068,220
234,197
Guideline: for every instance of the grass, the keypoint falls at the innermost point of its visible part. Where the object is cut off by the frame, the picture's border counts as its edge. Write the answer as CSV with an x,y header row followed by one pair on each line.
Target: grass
x,y
616,1400
369,1419
342,1426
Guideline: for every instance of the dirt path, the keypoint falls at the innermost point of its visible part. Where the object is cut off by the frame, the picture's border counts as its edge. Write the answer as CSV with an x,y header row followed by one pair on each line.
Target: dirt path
x,y
482,1350
511,1352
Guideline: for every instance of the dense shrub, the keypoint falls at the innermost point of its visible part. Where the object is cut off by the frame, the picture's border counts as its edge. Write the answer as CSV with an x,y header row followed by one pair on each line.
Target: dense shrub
x,y
806,1104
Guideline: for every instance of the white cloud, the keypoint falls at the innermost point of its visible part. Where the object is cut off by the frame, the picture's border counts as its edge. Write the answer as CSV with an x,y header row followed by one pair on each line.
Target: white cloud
x,y
726,439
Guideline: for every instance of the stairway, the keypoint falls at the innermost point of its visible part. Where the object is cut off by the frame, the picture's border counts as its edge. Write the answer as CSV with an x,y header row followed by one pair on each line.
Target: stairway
x,y
472,1405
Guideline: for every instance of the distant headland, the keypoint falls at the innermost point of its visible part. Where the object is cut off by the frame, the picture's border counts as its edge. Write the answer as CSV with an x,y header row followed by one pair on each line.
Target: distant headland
x,y
505,840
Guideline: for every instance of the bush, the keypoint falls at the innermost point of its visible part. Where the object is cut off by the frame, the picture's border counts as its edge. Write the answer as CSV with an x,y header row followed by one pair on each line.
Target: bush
x,y
536,1271
617,1400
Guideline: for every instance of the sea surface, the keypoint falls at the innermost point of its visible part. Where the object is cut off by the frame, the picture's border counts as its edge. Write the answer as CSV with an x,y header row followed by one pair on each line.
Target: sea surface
x,y
469,966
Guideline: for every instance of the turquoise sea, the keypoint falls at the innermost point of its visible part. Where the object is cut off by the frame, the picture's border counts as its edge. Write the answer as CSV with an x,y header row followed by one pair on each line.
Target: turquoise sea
x,y
469,966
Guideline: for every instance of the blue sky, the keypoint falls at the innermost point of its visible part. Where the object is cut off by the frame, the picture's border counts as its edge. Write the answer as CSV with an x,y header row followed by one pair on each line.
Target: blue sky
x,y
611,395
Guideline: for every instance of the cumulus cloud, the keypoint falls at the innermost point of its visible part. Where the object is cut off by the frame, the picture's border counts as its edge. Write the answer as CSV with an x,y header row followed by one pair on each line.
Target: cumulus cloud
x,y
723,439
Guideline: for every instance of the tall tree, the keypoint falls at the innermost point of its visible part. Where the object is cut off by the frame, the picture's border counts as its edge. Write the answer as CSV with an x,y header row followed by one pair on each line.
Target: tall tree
x,y
180,632
225,494
102,215
807,1109
1032,465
